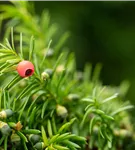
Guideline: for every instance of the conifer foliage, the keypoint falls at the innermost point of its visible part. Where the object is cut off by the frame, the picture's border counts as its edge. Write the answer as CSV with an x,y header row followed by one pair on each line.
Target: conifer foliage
x,y
45,103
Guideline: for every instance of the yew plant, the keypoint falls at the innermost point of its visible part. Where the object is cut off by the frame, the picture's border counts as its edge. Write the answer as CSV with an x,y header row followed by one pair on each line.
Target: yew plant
x,y
45,103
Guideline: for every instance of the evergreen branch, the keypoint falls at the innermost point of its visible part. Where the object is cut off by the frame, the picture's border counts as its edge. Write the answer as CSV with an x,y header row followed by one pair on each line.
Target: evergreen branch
x,y
34,101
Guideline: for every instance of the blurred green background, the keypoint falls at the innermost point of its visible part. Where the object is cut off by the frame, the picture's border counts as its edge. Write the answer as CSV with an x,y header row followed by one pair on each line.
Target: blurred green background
x,y
100,32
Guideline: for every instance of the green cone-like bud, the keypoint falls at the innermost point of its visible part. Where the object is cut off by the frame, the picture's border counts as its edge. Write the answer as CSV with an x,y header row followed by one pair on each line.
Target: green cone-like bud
x,y
6,113
61,111
39,145
49,71
44,76
73,97
15,138
34,138
4,128
60,68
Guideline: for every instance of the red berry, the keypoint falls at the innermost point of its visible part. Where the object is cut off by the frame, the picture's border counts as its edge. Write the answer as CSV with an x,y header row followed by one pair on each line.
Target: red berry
x,y
25,68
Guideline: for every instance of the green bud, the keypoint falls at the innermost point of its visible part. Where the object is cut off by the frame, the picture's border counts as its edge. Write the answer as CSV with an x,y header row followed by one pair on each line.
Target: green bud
x,y
4,128
15,138
61,111
49,71
6,113
3,114
73,97
60,68
34,138
44,76
9,112
39,145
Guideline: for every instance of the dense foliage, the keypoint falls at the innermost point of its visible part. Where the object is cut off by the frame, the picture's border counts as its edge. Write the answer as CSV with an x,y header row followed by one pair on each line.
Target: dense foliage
x,y
57,107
